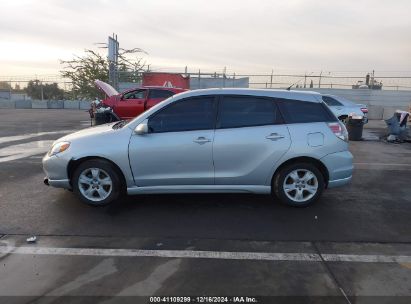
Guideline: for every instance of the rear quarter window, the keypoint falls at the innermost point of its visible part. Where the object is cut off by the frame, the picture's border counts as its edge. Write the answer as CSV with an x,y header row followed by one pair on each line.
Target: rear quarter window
x,y
332,102
160,94
297,111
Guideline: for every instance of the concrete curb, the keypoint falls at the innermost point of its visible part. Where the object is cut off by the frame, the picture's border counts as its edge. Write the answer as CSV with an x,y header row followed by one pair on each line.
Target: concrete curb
x,y
71,104
7,104
39,104
84,105
55,104
375,112
23,104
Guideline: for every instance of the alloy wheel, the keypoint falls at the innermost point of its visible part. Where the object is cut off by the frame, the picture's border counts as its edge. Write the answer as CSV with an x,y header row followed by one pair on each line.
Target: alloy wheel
x,y
95,184
300,185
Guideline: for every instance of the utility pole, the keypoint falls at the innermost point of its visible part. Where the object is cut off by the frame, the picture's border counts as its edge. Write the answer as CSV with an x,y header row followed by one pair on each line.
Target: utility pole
x,y
41,90
113,47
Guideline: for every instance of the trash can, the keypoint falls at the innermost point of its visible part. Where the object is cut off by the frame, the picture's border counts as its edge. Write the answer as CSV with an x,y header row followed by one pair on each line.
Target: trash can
x,y
355,125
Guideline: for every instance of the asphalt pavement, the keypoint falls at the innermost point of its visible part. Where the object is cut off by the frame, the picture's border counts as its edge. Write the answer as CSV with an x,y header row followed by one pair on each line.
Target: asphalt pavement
x,y
353,245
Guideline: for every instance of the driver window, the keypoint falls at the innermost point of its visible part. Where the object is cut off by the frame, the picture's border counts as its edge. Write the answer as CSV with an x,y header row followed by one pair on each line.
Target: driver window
x,y
139,94
190,114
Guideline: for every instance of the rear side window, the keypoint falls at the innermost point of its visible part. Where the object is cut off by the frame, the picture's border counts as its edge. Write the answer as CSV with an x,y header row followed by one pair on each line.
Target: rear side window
x,y
160,94
246,111
331,101
185,115
296,111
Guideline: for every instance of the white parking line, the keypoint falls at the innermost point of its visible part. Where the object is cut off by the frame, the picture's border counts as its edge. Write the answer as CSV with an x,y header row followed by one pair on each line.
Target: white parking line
x,y
7,139
32,148
382,164
193,254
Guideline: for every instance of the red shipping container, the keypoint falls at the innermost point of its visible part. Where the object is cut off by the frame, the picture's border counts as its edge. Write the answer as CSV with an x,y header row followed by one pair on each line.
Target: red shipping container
x,y
169,80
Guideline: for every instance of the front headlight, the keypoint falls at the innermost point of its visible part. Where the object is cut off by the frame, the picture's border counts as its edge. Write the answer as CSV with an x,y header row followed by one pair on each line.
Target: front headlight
x,y
59,147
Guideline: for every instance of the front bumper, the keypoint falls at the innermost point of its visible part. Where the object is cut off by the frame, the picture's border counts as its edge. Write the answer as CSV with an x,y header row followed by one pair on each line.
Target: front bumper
x,y
55,168
340,168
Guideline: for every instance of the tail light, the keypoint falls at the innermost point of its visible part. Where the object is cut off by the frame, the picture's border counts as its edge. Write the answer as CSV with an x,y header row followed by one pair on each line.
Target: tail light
x,y
364,110
339,130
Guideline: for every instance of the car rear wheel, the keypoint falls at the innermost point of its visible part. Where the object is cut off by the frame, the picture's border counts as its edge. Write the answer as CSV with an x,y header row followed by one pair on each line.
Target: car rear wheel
x,y
96,182
299,185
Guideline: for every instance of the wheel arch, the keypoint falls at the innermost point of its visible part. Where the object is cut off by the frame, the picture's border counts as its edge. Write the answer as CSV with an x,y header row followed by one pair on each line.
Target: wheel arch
x,y
74,163
304,159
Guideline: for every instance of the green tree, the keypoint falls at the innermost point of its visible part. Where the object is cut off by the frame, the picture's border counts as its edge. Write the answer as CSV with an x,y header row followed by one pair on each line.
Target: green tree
x,y
83,70
5,86
38,90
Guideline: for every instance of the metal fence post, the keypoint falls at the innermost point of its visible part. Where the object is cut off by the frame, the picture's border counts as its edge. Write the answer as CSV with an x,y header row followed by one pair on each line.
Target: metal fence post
x,y
271,79
319,79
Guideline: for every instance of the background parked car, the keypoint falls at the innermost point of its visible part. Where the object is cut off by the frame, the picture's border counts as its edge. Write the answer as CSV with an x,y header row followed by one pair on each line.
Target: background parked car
x,y
132,103
342,107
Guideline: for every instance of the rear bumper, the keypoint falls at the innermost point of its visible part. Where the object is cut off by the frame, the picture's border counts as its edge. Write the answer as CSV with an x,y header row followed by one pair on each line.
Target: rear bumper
x,y
340,168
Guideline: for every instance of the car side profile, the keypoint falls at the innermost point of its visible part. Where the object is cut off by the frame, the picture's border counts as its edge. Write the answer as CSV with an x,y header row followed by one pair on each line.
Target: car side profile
x,y
285,143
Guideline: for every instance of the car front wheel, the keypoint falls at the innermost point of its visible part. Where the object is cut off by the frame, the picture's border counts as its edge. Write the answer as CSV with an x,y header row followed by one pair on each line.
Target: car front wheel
x,y
299,185
96,182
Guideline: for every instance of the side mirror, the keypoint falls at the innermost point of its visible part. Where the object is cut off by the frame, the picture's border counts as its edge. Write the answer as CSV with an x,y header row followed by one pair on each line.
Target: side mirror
x,y
142,128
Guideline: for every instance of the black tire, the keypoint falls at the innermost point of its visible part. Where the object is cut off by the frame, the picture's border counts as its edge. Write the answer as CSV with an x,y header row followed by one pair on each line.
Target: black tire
x,y
106,168
279,179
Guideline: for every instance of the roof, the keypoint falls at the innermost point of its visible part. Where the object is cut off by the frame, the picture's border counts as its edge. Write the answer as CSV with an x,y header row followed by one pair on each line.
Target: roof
x,y
299,95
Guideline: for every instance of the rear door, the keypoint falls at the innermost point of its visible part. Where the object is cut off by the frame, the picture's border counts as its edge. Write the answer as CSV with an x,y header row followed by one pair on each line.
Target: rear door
x,y
157,95
249,139
131,104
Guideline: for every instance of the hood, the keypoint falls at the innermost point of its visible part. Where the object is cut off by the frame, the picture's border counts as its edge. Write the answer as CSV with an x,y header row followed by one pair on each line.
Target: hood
x,y
106,88
88,132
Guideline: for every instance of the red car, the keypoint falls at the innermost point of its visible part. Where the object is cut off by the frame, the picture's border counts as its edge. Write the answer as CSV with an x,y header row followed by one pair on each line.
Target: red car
x,y
132,103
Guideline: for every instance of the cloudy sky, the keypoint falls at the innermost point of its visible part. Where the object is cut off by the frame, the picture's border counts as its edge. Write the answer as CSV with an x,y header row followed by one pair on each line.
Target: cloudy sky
x,y
244,36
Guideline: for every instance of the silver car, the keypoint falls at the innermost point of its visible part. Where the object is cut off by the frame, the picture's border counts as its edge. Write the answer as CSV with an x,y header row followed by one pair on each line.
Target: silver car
x,y
342,107
285,143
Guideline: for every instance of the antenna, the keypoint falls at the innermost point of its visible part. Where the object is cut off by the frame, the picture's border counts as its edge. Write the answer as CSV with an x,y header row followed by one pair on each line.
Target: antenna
x,y
289,88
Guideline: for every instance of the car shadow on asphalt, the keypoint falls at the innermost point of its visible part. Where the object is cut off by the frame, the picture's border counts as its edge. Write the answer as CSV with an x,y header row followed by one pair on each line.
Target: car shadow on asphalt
x,y
191,201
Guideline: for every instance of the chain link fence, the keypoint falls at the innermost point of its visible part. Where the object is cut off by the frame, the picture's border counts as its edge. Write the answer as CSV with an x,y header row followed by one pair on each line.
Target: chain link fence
x,y
14,86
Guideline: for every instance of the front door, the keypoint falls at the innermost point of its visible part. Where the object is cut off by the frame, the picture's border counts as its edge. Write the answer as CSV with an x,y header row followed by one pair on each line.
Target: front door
x,y
131,104
178,148
249,140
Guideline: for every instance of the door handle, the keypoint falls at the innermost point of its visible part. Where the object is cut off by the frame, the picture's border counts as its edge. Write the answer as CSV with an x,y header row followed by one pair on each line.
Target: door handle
x,y
274,136
201,140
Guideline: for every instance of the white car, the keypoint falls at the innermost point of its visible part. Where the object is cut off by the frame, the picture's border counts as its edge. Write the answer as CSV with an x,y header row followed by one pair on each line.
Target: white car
x,y
342,107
